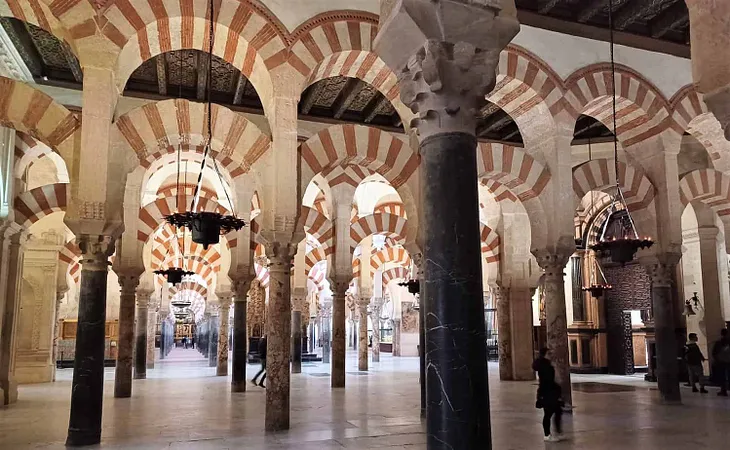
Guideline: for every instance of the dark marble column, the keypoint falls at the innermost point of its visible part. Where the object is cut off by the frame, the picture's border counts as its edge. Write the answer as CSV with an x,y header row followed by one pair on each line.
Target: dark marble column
x,y
296,342
311,336
278,341
418,261
338,332
13,240
213,327
661,270
504,330
140,349
128,281
326,330
456,355
87,390
553,262
240,334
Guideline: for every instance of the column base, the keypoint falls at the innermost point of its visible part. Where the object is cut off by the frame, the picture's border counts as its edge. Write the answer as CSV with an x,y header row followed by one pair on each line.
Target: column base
x,y
80,439
140,376
9,392
238,386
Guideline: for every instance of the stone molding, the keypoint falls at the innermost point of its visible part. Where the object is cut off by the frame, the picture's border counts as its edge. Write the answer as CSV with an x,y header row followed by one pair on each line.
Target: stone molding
x,y
11,61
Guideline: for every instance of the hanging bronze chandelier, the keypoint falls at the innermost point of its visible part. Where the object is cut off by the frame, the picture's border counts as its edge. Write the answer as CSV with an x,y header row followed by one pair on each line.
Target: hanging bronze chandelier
x,y
597,287
622,246
206,226
414,287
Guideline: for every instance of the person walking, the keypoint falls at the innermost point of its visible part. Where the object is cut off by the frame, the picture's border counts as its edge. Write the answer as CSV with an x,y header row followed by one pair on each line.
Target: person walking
x,y
549,396
694,357
262,356
721,361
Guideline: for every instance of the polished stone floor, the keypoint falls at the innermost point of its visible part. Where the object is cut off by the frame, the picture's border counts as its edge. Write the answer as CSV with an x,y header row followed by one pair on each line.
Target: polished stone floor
x,y
182,405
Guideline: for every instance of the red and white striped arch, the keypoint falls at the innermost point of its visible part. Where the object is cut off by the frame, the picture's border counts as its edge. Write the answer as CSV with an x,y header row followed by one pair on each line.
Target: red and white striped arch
x,y
317,225
191,285
153,214
262,274
33,205
386,224
69,257
498,190
244,35
394,208
490,244
77,19
390,255
642,111
396,273
156,129
525,81
29,151
598,175
34,113
316,255
512,167
709,187
367,147
317,275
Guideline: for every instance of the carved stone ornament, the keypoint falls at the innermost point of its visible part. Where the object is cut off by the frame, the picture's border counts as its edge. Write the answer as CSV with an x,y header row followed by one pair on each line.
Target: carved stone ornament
x,y
554,258
95,251
719,103
661,268
281,256
92,210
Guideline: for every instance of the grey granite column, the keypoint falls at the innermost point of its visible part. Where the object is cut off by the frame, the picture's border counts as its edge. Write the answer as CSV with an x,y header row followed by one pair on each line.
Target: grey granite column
x,y
296,342
225,310
87,390
362,349
128,281
504,330
140,346
240,334
661,269
375,316
213,327
396,339
151,334
326,330
553,261
13,240
278,326
338,332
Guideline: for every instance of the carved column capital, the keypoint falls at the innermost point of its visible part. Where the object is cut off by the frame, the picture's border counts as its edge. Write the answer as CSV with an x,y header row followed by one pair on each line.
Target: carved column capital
x,y
339,286
224,299
281,256
552,262
143,297
241,286
95,251
128,281
661,268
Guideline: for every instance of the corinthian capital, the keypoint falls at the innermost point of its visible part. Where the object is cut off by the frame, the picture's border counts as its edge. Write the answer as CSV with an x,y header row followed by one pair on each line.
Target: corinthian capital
x,y
446,54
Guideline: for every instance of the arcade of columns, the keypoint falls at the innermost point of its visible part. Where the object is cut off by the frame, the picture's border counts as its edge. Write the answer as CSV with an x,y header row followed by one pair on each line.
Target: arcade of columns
x,y
436,72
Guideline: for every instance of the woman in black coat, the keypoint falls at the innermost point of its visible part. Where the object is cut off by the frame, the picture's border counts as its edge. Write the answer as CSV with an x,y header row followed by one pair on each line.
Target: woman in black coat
x,y
549,396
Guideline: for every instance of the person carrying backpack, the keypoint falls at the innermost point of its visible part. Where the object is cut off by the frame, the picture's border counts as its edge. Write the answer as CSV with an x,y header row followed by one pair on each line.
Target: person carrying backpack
x,y
721,358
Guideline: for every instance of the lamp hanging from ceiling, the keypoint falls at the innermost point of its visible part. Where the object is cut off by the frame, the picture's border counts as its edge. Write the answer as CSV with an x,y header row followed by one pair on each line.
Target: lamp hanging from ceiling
x,y
625,241
207,226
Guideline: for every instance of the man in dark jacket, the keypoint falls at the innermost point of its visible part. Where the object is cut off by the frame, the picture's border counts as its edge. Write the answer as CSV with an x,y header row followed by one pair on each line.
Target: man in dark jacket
x,y
262,355
721,361
549,396
694,357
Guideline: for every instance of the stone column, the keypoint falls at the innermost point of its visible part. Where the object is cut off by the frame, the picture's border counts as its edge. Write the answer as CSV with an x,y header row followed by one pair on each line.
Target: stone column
x,y
447,54
128,281
362,350
296,342
140,346
281,257
504,329
57,328
151,334
326,312
661,269
338,332
87,390
240,334
712,318
13,240
418,263
377,309
214,329
223,332
521,331
553,262
396,341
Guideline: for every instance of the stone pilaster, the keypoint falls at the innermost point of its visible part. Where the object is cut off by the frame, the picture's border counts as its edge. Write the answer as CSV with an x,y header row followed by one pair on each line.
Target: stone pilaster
x,y
224,298
504,331
140,340
151,335
362,351
661,269
13,239
338,331
281,257
128,281
240,333
553,261
446,53
87,390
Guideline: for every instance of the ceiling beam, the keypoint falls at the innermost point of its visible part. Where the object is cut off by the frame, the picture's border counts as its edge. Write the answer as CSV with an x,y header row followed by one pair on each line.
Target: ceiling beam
x,y
347,95
373,107
515,132
311,96
545,6
73,63
676,16
240,89
595,7
495,123
488,109
162,82
638,10
202,71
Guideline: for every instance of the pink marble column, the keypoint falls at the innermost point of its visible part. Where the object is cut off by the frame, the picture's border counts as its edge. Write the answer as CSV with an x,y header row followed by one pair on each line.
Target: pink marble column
x,y
362,349
504,329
